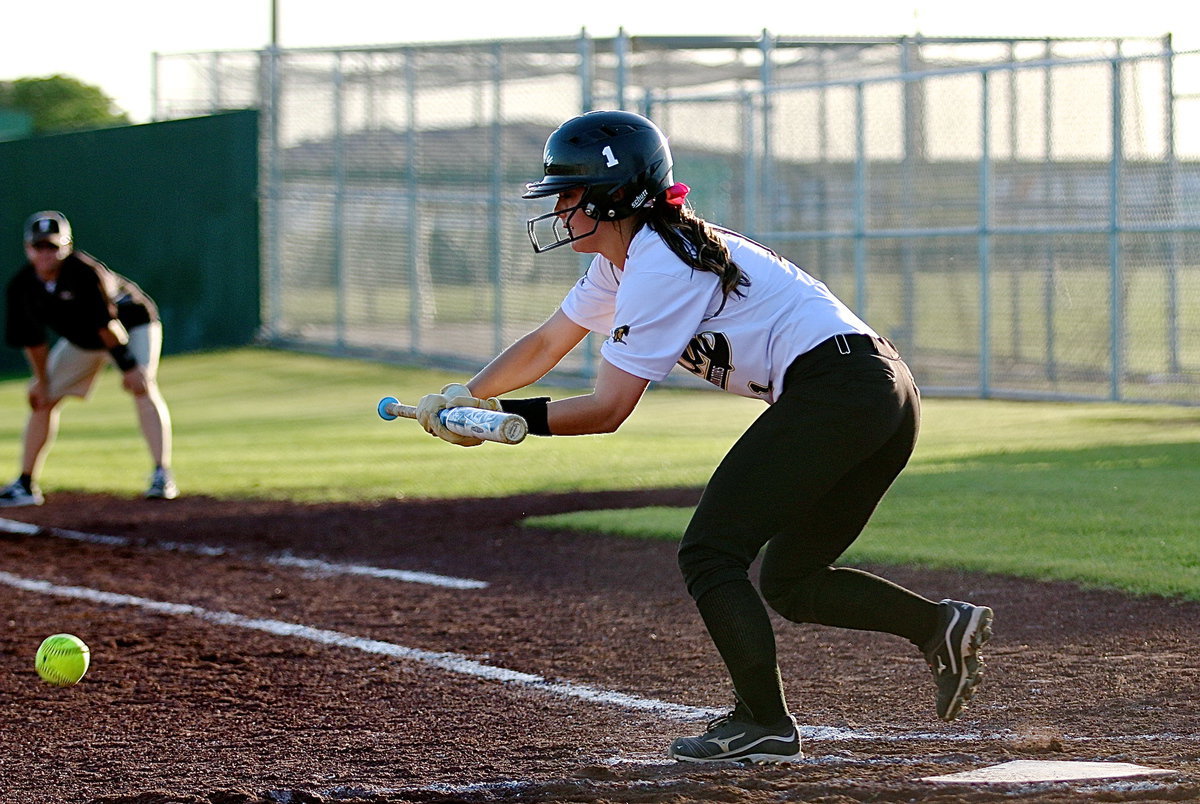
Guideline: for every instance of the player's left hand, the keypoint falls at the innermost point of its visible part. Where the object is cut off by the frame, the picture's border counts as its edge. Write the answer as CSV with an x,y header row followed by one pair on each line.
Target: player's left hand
x,y
459,396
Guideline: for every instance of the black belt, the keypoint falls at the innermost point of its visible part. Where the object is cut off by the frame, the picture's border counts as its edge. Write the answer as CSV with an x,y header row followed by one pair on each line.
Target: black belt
x,y
836,346
846,344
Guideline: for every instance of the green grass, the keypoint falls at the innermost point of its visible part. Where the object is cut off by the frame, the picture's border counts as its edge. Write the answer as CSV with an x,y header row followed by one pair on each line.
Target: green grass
x,y
261,423
1100,494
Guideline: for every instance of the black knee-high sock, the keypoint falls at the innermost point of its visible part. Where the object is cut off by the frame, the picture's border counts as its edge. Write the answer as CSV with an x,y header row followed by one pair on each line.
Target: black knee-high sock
x,y
740,628
849,598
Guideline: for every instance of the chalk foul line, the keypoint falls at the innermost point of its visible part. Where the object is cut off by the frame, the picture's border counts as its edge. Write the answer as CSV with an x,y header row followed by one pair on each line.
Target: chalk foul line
x,y
457,663
452,662
284,560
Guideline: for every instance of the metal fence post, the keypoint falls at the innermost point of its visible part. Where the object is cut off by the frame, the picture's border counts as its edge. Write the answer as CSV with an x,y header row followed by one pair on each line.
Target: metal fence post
x,y
860,199
912,95
750,194
587,97
1116,306
1172,200
621,48
416,302
769,205
1016,270
586,54
214,82
985,238
497,198
1051,275
341,280
154,58
273,242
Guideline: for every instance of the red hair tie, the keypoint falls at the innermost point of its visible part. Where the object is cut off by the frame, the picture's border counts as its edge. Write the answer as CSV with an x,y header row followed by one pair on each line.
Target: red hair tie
x,y
676,193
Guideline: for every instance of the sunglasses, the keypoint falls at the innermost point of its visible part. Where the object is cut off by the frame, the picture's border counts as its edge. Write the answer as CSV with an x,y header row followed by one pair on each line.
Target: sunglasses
x,y
44,245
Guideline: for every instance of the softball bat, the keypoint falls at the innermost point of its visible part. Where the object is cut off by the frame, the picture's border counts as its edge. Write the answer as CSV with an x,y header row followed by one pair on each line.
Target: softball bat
x,y
489,425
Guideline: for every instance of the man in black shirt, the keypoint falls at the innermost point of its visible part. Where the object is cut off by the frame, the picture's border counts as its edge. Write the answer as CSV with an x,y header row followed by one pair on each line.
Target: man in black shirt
x,y
100,317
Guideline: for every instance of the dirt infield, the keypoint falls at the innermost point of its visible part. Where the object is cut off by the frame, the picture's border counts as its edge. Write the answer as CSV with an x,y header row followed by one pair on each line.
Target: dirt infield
x,y
562,679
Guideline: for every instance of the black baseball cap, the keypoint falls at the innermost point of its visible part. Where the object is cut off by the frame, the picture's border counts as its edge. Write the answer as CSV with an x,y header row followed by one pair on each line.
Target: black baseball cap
x,y
48,226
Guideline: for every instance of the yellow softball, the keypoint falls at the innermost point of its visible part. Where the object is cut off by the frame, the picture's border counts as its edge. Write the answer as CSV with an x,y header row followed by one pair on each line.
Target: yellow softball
x,y
62,659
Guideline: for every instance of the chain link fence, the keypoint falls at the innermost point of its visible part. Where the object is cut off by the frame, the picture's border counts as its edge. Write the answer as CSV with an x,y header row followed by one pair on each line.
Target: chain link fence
x,y
1020,216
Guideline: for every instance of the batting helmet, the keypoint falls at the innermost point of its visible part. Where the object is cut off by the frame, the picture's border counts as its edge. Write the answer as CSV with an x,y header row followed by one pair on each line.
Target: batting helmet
x,y
620,159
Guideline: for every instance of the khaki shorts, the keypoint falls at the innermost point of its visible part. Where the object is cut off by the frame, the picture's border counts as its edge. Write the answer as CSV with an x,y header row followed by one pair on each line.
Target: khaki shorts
x,y
71,371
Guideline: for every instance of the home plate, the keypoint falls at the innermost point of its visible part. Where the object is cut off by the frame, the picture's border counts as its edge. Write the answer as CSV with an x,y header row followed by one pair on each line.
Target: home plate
x,y
1025,771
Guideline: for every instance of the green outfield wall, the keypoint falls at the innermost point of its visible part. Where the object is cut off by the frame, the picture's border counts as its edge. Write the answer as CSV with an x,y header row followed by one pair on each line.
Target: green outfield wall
x,y
172,205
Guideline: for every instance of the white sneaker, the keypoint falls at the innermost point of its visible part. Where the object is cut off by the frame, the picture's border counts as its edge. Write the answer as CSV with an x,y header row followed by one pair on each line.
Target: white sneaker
x,y
15,495
162,486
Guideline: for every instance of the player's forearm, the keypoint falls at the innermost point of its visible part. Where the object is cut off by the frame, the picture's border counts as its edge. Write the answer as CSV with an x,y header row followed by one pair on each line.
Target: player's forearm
x,y
516,367
529,359
117,347
602,411
583,415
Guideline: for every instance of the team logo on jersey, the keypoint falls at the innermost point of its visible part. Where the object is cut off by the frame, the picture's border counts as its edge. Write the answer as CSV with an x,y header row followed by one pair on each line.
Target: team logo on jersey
x,y
710,357
758,388
618,334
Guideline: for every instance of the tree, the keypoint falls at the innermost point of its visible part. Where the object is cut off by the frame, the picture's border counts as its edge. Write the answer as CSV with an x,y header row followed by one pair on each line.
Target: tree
x,y
60,103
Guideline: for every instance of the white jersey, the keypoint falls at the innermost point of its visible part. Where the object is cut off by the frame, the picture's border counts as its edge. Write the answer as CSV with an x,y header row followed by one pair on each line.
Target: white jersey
x,y
659,312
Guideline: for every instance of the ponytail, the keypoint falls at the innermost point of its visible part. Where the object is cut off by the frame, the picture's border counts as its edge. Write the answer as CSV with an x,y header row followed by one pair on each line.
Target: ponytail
x,y
695,241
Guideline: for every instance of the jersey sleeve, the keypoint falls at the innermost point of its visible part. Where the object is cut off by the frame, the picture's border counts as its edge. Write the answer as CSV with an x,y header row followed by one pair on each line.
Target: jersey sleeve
x,y
591,301
655,319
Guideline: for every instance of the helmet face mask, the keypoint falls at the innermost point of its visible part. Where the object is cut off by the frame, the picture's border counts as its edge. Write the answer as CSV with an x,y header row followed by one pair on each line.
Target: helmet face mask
x,y
557,228
621,160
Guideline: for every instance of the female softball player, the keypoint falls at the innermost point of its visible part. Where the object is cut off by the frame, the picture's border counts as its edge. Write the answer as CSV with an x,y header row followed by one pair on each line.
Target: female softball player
x,y
841,421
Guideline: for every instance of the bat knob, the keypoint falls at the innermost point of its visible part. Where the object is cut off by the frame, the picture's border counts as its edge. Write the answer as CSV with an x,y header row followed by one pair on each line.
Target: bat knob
x,y
382,408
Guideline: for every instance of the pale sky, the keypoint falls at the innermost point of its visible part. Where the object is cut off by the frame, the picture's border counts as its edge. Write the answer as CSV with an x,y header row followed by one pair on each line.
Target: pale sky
x,y
110,43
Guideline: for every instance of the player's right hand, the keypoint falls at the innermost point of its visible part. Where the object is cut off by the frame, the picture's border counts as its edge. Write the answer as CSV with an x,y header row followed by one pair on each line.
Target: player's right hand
x,y
454,395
